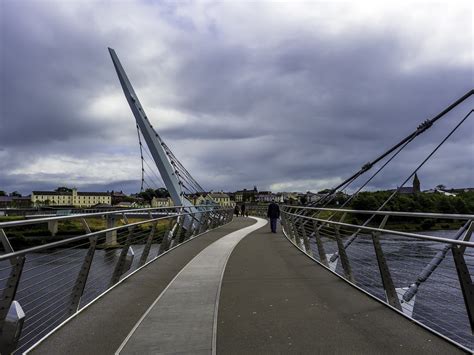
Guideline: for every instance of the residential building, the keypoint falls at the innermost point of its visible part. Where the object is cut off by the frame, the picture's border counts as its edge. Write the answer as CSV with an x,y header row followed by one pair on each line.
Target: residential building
x,y
221,198
314,197
70,197
246,195
268,196
161,202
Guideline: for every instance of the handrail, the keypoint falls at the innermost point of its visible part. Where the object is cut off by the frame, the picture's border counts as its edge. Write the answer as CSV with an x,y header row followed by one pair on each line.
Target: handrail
x,y
88,235
388,231
388,213
84,215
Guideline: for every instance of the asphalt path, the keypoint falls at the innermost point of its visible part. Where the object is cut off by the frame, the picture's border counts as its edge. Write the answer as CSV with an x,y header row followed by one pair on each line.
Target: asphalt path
x,y
275,300
102,327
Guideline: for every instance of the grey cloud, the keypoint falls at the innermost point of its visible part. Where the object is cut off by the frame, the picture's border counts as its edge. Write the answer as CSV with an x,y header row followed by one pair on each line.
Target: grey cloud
x,y
302,107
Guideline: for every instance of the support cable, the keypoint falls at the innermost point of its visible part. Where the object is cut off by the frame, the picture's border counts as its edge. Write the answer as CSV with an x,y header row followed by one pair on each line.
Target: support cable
x,y
420,129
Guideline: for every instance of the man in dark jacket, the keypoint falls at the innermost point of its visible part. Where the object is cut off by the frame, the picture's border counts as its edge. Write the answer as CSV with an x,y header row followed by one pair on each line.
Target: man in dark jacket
x,y
273,213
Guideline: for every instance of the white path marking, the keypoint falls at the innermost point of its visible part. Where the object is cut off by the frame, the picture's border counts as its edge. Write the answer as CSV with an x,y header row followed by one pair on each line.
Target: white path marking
x,y
182,319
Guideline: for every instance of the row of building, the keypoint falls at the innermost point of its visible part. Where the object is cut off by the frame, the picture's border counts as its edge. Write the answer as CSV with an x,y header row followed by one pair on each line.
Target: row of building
x,y
73,197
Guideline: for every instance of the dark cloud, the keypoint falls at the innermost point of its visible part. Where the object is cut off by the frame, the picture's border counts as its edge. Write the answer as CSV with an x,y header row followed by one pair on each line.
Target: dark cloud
x,y
288,106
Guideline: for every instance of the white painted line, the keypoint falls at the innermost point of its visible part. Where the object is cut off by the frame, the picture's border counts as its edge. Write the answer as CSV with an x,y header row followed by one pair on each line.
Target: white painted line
x,y
183,318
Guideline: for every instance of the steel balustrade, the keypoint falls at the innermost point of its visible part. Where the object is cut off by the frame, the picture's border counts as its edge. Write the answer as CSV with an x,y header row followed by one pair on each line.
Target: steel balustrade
x,y
449,292
426,277
44,285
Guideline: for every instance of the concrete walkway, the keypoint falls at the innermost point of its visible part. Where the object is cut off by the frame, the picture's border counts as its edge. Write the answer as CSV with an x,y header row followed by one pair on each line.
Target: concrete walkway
x,y
275,300
182,319
102,327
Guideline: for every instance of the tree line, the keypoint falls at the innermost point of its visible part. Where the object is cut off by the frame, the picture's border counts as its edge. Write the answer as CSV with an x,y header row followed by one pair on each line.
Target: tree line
x,y
462,203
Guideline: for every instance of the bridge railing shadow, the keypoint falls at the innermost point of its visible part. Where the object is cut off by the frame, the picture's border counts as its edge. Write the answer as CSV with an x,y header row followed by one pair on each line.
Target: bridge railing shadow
x,y
419,264
77,258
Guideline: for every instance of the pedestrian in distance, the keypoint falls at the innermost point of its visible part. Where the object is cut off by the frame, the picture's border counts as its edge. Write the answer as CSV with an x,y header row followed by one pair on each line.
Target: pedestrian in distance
x,y
242,210
273,213
236,210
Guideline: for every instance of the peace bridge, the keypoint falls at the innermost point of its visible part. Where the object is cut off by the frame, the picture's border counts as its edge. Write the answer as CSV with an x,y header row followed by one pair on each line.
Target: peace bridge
x,y
195,279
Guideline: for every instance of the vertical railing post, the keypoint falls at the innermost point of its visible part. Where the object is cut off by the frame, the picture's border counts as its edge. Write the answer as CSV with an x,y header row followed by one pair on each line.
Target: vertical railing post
x,y
296,234
81,280
218,218
204,222
125,258
11,286
190,229
179,231
166,240
319,244
221,217
284,225
149,241
306,244
342,253
291,228
464,276
389,288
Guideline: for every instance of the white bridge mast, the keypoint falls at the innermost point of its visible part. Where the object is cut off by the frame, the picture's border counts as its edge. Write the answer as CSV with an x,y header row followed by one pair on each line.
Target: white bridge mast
x,y
152,139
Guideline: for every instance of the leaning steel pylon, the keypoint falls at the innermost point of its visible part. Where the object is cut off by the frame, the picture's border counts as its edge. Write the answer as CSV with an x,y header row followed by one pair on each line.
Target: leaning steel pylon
x,y
171,170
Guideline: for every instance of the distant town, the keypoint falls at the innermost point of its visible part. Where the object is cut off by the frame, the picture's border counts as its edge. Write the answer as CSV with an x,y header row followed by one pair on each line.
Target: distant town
x,y
64,197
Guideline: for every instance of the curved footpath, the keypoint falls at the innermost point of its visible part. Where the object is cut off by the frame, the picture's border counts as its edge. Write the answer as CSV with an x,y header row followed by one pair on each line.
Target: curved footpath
x,y
269,298
102,327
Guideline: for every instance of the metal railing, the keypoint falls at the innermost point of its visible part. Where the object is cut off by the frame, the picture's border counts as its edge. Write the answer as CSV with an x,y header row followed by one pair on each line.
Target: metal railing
x,y
426,275
43,285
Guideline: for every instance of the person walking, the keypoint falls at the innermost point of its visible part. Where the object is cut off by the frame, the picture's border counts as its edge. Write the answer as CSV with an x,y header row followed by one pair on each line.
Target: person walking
x,y
242,209
236,210
273,213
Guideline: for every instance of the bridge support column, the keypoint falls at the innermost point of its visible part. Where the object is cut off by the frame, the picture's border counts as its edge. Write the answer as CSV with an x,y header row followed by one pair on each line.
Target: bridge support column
x,y
111,237
53,227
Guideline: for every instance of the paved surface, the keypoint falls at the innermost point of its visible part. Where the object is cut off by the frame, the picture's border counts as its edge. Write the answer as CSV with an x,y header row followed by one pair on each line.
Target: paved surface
x,y
182,319
102,327
275,300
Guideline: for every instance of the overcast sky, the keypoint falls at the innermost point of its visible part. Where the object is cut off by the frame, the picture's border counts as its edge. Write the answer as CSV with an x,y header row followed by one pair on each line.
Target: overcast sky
x,y
288,96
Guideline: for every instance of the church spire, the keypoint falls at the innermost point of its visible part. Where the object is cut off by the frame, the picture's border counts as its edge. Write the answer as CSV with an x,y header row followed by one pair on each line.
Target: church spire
x,y
416,184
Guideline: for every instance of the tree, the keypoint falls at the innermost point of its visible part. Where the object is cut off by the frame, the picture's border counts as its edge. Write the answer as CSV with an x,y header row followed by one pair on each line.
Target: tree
x,y
162,192
15,194
440,187
303,200
2,193
365,201
147,195
325,191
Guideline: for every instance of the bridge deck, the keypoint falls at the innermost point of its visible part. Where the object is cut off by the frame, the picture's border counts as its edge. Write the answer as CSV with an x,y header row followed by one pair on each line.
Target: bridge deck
x,y
273,300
